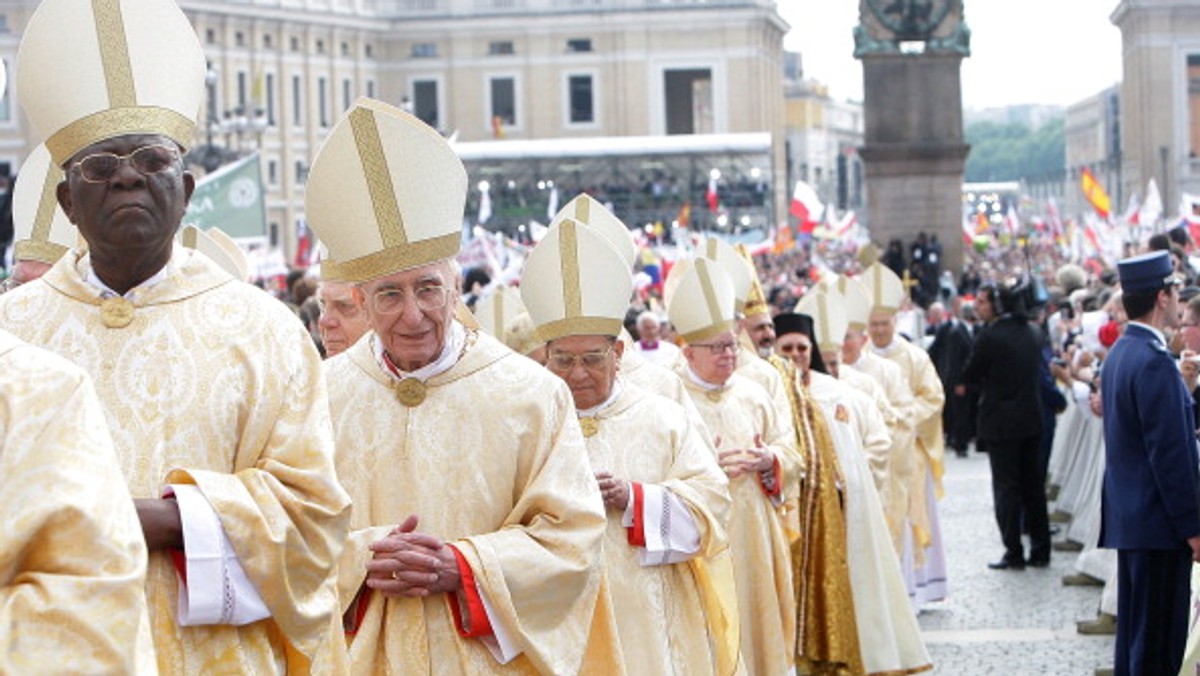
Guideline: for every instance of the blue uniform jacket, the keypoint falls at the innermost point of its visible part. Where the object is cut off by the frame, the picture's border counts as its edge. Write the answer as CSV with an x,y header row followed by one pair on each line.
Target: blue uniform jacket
x,y
1151,480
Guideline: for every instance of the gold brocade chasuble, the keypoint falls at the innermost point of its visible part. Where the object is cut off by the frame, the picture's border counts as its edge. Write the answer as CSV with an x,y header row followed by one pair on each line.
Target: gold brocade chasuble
x,y
826,626
72,556
493,462
761,558
661,610
215,384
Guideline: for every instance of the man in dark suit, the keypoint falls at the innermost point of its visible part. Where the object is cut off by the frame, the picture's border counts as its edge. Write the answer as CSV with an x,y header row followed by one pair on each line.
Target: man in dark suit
x,y
1004,366
1151,498
949,351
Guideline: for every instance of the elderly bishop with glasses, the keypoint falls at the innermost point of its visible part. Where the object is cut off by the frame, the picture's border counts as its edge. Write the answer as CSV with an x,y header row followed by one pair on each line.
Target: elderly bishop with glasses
x,y
756,446
212,390
666,498
475,543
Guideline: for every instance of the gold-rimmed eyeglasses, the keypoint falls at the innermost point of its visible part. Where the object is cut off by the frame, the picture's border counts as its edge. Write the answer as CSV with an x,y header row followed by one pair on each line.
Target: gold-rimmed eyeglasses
x,y
718,348
427,297
592,361
150,159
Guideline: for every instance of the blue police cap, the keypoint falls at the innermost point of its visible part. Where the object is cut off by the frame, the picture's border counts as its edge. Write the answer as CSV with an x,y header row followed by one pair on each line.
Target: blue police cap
x,y
1147,272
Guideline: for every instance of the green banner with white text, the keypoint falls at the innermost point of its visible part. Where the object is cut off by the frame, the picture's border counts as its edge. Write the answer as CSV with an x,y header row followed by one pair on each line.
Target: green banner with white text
x,y
231,198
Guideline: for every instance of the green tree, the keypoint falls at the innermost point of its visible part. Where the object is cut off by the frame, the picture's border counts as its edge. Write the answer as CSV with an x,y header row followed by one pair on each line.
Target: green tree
x,y
1012,152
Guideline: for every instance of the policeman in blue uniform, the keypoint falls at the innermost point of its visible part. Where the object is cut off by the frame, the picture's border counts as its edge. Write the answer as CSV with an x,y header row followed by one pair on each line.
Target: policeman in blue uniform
x,y
1151,499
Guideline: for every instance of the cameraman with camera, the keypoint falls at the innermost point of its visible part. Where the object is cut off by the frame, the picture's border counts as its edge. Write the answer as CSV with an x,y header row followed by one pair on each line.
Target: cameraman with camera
x,y
1004,366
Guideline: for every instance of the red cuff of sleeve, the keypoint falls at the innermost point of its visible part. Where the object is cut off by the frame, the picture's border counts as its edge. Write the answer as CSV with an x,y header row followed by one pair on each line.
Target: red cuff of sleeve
x,y
637,532
468,599
353,617
180,560
776,475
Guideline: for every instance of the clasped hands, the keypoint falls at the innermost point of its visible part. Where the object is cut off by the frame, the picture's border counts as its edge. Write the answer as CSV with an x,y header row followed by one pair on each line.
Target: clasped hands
x,y
411,564
737,462
614,491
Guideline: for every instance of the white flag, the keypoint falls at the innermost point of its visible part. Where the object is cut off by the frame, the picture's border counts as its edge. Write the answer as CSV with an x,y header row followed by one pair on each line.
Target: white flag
x,y
1152,208
485,203
552,207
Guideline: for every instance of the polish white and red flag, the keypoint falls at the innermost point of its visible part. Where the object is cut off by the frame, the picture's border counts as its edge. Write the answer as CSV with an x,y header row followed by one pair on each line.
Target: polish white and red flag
x,y
807,208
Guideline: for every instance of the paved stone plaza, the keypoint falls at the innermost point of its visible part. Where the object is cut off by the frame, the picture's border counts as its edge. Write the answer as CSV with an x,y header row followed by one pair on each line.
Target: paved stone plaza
x,y
1004,622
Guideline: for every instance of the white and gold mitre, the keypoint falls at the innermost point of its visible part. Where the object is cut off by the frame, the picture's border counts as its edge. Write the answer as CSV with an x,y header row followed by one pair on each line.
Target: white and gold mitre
x,y
575,284
884,288
41,230
702,306
677,272
722,253
498,309
585,210
825,306
756,300
90,71
857,302
218,247
385,193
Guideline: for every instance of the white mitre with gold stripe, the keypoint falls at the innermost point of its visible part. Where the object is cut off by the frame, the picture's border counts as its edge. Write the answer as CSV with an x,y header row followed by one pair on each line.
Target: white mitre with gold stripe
x,y
856,301
90,71
884,288
702,306
218,247
724,254
585,210
41,230
575,284
825,306
385,193
497,310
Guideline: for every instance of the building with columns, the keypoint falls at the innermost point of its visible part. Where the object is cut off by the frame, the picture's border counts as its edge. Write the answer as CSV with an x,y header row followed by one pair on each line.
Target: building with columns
x,y
1160,97
282,71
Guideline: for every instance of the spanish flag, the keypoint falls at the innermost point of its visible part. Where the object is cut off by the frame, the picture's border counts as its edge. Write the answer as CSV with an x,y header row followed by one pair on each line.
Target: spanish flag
x,y
1094,193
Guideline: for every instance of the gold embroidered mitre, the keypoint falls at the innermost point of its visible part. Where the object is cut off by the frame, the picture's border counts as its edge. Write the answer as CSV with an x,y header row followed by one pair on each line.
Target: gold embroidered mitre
x,y
498,309
588,212
575,284
41,230
702,305
756,300
824,305
723,254
884,288
218,247
88,71
385,193
857,302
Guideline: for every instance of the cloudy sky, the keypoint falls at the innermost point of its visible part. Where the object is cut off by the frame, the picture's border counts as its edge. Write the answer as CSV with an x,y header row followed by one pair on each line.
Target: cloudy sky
x,y
1022,51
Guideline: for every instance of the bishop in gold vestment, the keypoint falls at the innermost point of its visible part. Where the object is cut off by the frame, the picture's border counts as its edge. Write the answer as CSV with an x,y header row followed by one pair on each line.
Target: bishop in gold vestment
x,y
497,471
214,384
72,559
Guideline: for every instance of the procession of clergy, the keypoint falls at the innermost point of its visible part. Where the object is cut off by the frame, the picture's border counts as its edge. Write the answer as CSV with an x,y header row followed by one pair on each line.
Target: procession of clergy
x,y
190,489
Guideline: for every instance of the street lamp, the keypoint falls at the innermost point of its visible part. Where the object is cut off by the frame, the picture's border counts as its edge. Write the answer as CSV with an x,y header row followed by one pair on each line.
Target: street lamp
x,y
236,123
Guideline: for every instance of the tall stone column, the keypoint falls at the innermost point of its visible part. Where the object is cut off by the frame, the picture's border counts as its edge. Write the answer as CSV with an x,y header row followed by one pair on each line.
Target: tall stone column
x,y
914,152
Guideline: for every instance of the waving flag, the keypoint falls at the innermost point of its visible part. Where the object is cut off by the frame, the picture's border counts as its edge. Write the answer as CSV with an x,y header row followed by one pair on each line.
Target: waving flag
x,y
1094,193
806,206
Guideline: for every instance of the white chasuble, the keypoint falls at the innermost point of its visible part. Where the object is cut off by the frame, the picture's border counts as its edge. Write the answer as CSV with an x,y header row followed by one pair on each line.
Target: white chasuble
x,y
72,556
735,415
888,634
208,381
660,610
491,461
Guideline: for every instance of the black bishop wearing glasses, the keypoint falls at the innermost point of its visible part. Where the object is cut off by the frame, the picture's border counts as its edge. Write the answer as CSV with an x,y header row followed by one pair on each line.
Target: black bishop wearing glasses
x,y
211,389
